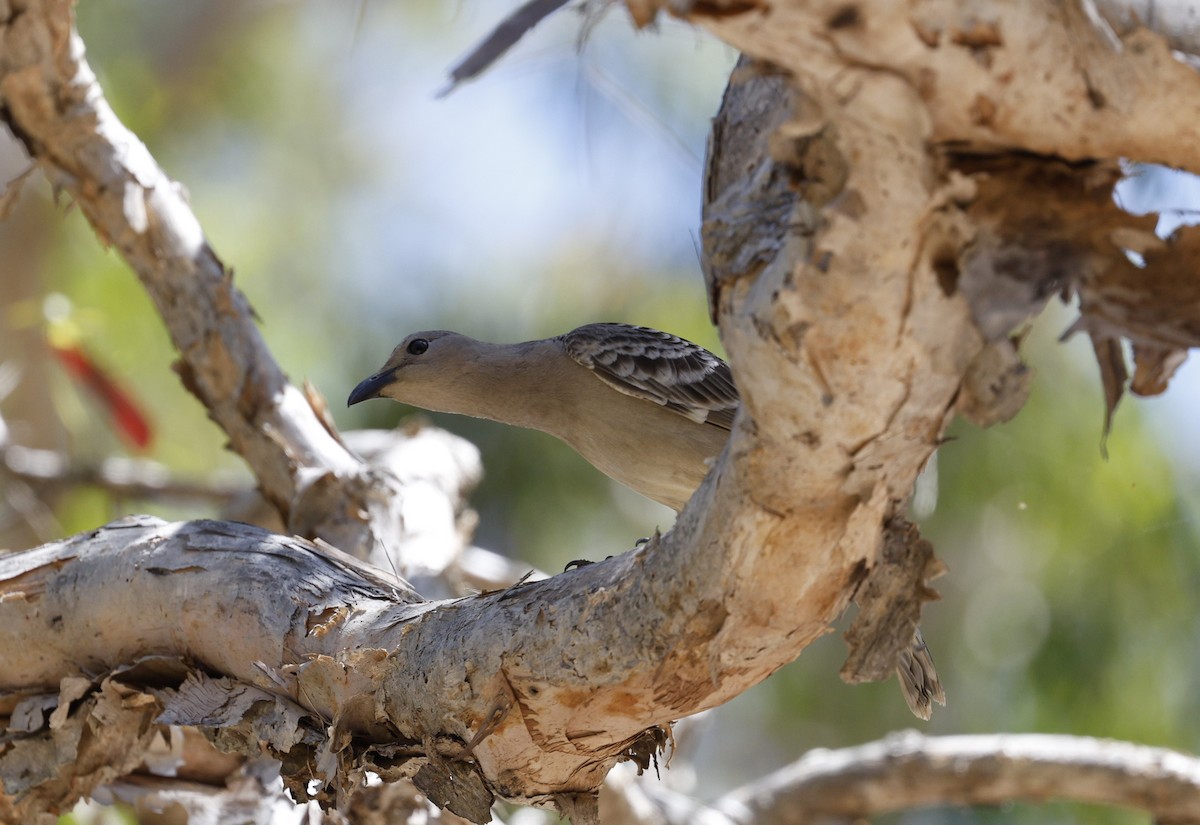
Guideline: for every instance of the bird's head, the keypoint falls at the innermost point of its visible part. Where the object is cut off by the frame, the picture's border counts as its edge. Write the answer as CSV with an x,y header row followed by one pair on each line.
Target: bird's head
x,y
420,365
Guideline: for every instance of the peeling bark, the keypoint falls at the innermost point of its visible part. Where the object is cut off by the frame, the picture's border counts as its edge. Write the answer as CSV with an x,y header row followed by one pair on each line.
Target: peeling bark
x,y
891,188
1048,78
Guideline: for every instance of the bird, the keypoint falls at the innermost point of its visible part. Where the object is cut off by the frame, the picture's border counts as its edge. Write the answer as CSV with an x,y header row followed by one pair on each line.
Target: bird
x,y
647,408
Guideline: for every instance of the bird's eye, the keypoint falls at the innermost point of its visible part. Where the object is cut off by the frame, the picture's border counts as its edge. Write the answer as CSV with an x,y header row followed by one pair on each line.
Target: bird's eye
x,y
417,346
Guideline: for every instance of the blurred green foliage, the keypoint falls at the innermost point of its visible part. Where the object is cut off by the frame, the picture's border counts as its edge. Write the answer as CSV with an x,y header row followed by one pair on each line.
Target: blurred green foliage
x,y
90,813
303,133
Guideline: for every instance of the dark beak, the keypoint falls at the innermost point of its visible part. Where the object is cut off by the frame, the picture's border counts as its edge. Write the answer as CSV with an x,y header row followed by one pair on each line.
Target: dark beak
x,y
370,387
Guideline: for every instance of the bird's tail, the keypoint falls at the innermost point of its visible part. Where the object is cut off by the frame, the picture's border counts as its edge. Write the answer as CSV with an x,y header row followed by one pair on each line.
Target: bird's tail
x,y
918,678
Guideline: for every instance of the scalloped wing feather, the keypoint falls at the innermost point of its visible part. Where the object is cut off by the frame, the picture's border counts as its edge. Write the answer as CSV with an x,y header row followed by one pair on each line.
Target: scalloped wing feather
x,y
659,367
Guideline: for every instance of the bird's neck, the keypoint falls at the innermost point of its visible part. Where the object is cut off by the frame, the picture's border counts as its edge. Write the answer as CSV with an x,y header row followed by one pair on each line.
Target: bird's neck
x,y
512,383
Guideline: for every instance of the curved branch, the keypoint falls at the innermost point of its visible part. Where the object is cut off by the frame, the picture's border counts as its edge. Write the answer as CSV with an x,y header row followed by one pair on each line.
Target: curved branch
x,y
850,358
480,685
909,770
1049,78
548,684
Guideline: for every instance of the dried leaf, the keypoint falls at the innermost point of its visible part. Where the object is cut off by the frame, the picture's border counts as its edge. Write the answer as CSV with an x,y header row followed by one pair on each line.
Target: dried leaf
x,y
457,787
996,385
885,629
1113,376
1153,368
12,191
579,808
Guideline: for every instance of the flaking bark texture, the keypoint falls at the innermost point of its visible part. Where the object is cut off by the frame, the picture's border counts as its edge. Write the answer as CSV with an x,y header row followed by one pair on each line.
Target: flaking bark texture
x,y
847,376
1028,110
1047,78
891,187
329,666
890,196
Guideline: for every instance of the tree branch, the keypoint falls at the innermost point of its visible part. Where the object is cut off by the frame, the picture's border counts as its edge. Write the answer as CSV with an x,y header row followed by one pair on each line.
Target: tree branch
x,y
129,477
711,622
437,688
851,357
54,106
548,684
50,100
909,771
1046,78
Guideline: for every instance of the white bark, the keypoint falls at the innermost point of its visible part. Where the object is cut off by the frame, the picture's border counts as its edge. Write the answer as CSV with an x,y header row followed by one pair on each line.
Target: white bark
x,y
861,267
908,771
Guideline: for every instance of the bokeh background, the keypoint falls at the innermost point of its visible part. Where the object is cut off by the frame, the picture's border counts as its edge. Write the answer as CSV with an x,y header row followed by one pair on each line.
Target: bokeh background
x,y
561,188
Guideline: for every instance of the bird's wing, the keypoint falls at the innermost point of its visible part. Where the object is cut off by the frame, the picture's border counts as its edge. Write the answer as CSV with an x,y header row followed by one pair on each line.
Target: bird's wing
x,y
658,367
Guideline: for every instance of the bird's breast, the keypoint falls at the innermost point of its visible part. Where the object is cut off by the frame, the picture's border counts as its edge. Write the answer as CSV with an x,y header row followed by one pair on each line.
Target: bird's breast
x,y
650,449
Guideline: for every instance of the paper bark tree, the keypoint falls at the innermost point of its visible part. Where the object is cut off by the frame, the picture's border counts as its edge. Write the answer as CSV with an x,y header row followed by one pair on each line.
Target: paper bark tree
x,y
891,190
